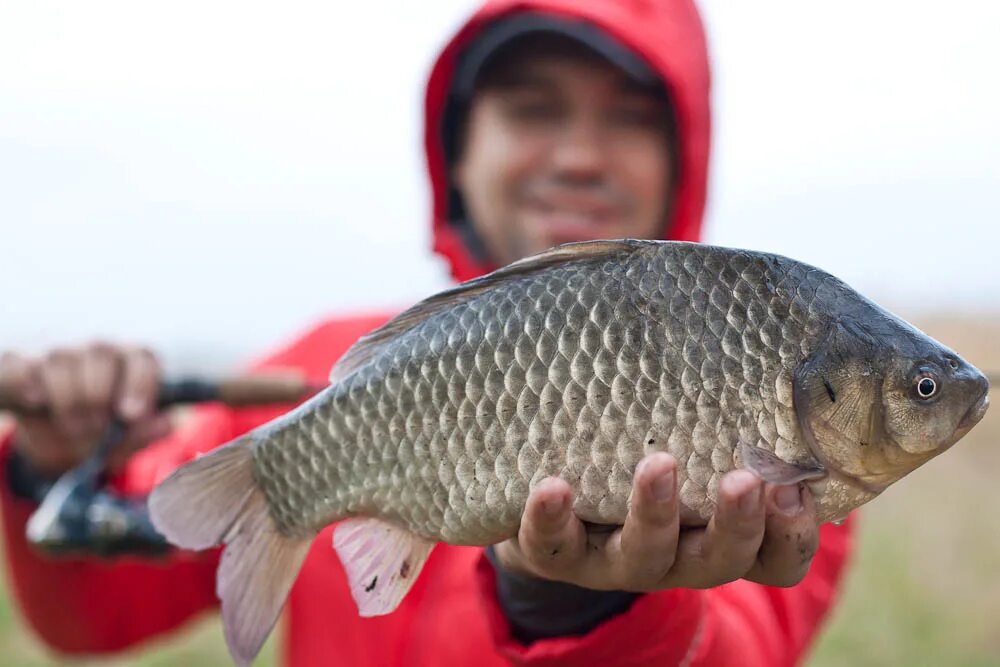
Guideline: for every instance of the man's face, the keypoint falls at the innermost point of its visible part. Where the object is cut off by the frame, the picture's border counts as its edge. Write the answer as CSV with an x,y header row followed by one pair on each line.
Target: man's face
x,y
562,148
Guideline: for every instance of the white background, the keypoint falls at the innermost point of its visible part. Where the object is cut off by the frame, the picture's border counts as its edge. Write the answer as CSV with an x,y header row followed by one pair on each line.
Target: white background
x,y
212,177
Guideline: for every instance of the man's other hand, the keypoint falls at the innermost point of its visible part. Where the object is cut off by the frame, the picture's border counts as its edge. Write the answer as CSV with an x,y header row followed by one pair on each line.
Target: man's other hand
x,y
68,397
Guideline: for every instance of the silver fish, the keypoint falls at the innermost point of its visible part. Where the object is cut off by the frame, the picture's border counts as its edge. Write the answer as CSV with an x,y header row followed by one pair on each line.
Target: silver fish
x,y
574,363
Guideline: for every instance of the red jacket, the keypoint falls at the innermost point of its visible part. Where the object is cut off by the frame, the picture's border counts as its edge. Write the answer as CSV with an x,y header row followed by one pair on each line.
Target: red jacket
x,y
451,616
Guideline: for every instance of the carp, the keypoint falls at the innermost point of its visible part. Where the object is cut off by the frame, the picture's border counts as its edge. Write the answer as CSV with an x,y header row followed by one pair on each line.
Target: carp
x,y
574,363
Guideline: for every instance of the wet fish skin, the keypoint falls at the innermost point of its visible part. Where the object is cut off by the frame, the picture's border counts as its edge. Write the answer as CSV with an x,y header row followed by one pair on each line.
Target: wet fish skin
x,y
574,363
576,371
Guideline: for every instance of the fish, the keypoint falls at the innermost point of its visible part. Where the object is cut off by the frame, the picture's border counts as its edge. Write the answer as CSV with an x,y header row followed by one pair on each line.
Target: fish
x,y
575,363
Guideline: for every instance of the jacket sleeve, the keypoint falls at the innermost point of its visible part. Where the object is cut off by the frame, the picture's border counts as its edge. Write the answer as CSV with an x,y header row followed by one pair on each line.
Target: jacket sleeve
x,y
741,623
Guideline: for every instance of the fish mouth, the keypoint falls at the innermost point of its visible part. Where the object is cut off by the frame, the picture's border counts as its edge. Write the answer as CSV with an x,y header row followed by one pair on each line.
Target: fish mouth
x,y
976,412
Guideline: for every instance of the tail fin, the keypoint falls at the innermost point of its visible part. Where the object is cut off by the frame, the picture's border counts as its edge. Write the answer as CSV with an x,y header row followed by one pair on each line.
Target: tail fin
x,y
215,500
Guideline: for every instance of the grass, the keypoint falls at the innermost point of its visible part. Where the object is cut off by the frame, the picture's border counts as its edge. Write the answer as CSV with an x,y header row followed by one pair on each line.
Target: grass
x,y
922,590
198,645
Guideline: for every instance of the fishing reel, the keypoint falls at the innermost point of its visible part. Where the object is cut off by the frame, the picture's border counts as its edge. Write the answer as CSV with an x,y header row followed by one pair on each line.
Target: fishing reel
x,y
79,516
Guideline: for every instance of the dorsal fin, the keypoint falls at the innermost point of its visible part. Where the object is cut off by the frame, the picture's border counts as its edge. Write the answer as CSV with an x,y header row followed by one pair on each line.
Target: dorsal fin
x,y
367,345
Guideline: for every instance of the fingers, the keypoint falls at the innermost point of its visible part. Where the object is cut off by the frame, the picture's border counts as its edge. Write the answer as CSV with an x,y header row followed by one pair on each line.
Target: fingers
x,y
551,540
643,551
139,386
553,543
84,385
791,538
20,380
765,534
727,548
99,371
62,382
80,389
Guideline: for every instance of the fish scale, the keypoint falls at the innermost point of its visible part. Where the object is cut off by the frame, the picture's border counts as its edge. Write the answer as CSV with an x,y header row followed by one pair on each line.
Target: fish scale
x,y
574,363
647,354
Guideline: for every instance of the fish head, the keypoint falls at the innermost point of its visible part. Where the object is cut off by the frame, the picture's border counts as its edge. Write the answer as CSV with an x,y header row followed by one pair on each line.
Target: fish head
x,y
931,396
876,401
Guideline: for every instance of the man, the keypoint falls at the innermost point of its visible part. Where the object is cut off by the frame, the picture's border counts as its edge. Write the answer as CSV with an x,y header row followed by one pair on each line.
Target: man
x,y
546,122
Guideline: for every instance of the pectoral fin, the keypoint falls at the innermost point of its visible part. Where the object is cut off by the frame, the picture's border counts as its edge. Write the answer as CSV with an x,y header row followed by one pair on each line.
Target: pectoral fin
x,y
774,470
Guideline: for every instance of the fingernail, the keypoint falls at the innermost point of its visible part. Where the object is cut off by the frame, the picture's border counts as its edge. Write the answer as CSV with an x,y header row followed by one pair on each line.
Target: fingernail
x,y
552,507
788,499
750,502
663,487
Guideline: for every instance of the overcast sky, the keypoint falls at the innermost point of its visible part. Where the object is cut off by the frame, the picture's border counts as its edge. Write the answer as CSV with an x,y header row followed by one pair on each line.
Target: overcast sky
x,y
212,177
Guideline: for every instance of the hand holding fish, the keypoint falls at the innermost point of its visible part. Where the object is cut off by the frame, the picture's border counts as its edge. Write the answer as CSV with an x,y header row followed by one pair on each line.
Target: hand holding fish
x,y
767,534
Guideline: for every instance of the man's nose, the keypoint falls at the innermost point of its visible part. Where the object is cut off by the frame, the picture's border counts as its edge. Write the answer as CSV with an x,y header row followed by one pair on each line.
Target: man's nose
x,y
580,152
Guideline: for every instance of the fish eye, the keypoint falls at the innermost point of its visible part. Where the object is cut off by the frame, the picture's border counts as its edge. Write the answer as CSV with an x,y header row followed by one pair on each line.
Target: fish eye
x,y
927,387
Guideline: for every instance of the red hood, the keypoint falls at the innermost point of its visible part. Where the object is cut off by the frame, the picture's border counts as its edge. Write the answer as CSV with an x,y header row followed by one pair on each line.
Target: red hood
x,y
668,34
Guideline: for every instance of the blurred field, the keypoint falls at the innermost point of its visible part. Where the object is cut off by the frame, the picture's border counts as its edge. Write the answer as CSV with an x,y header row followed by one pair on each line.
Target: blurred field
x,y
923,589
